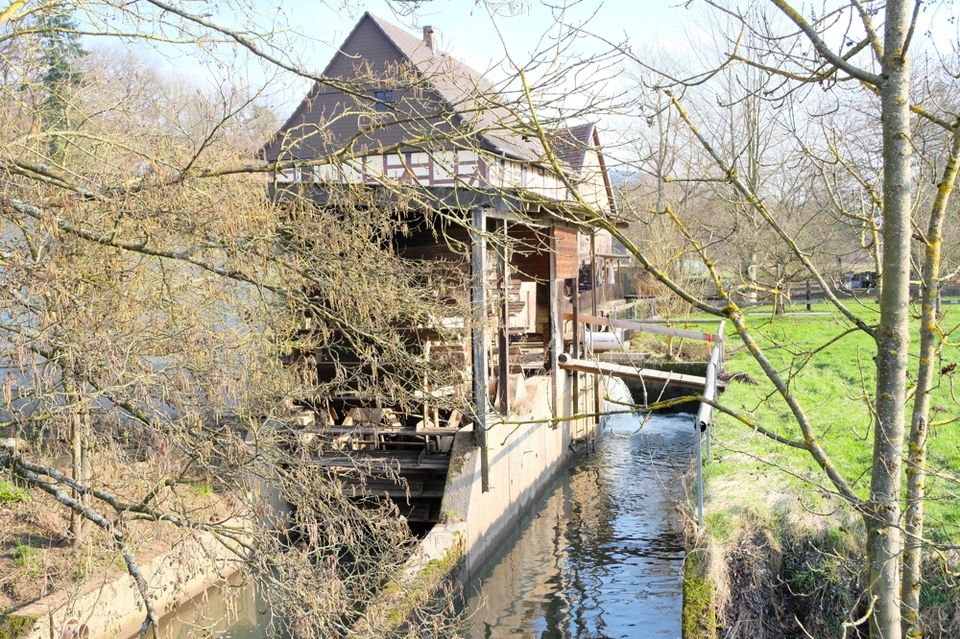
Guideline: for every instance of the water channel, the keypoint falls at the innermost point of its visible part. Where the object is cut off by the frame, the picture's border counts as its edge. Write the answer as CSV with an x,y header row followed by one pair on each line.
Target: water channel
x,y
602,554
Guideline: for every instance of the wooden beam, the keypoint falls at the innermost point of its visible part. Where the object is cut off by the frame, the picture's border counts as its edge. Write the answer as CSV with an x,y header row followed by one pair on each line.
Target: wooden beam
x,y
629,372
478,337
643,327
593,310
503,330
556,331
576,343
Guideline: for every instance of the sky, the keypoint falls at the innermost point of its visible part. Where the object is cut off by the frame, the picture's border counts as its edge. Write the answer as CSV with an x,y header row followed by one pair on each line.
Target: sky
x,y
310,31
465,30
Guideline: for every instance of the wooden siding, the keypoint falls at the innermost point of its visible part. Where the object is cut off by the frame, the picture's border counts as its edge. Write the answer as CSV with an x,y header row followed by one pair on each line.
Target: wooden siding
x,y
568,256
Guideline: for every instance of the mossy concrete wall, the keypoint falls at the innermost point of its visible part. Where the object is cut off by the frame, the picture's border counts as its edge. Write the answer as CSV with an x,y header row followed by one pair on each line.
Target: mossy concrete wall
x,y
423,575
111,606
699,617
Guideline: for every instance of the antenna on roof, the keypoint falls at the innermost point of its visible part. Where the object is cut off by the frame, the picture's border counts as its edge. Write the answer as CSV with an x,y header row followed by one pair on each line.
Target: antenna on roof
x,y
428,38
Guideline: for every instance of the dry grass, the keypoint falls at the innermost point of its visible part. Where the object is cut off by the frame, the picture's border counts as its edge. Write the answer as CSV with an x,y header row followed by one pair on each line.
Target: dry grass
x,y
38,557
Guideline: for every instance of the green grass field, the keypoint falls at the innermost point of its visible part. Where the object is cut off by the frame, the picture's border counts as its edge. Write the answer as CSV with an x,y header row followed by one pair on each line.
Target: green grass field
x,y
831,371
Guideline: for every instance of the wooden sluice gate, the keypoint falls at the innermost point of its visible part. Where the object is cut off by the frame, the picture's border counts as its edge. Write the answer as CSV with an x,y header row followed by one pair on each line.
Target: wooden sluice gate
x,y
626,372
635,367
631,367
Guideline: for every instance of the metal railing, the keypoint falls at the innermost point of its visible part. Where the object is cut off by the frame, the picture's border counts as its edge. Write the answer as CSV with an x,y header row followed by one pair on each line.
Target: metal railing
x,y
704,417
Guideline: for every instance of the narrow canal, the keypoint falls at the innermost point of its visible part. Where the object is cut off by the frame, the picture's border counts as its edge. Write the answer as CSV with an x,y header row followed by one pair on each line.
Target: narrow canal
x,y
602,554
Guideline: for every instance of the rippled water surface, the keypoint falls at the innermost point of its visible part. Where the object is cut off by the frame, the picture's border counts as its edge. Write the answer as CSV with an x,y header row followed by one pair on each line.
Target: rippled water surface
x,y
601,555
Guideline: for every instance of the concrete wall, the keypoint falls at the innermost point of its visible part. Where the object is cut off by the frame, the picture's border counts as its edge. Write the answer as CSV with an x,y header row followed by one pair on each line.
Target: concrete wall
x,y
524,455
111,607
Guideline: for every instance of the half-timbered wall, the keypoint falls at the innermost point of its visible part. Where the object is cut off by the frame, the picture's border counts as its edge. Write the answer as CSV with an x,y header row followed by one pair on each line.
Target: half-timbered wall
x,y
444,168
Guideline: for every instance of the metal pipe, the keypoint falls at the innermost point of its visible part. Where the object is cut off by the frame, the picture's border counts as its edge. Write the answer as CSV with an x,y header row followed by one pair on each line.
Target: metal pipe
x,y
705,413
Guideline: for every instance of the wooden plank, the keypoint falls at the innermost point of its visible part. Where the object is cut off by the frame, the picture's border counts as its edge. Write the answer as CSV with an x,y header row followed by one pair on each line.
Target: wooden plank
x,y
688,320
404,460
373,430
643,327
629,372
576,349
566,249
454,422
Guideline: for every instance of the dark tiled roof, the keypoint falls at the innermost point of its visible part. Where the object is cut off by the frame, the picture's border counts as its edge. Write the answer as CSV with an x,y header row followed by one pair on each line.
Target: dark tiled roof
x,y
473,97
570,145
458,101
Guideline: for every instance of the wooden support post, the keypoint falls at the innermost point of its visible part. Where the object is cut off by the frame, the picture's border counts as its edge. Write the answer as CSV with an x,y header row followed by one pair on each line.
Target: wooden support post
x,y
593,308
556,332
503,331
576,343
478,337
426,387
593,271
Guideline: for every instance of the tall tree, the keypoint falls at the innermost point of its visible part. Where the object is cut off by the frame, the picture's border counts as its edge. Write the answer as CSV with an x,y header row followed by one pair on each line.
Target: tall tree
x,y
864,67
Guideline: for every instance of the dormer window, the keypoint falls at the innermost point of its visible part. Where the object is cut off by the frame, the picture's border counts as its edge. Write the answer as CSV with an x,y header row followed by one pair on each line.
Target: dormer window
x,y
385,100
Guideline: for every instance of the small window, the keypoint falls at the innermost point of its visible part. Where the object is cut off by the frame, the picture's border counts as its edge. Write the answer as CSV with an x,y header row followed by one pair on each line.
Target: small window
x,y
384,100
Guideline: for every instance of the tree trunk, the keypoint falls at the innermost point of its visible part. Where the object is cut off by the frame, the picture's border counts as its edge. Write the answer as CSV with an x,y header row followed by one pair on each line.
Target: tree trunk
x,y
882,514
920,419
80,465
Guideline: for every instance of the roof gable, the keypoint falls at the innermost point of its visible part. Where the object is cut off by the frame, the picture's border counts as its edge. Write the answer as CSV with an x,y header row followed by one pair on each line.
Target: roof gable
x,y
376,48
467,92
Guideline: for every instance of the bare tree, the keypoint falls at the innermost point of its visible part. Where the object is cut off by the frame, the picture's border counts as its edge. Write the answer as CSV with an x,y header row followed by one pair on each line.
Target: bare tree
x,y
152,313
859,55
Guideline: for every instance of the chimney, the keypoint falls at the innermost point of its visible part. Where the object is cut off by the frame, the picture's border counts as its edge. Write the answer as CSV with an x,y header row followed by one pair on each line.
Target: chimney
x,y
428,37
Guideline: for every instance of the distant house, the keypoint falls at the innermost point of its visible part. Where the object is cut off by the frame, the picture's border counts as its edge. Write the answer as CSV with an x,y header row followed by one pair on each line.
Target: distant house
x,y
400,118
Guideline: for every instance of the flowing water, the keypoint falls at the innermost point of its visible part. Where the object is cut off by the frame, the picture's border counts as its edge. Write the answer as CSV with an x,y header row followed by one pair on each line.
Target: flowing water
x,y
602,554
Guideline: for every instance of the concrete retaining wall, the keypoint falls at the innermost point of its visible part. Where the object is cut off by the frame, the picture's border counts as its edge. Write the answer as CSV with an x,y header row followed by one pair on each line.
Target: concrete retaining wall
x,y
524,455
111,607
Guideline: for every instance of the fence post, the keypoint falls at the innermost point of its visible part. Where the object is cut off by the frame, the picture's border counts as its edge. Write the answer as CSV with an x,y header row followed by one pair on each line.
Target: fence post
x,y
697,444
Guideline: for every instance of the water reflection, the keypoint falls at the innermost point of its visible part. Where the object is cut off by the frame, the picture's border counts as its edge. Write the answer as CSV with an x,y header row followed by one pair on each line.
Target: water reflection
x,y
230,611
602,555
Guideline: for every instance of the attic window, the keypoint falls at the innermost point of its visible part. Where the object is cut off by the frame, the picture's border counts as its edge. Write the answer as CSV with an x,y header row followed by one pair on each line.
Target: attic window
x,y
384,100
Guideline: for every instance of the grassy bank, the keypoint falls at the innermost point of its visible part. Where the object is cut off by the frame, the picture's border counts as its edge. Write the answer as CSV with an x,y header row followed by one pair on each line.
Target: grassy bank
x,y
773,498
